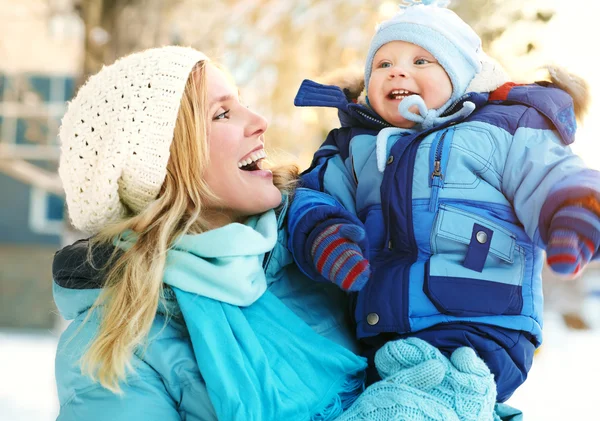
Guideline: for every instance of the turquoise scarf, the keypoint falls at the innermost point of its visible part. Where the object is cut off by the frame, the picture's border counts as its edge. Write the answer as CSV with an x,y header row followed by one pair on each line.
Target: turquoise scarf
x,y
258,359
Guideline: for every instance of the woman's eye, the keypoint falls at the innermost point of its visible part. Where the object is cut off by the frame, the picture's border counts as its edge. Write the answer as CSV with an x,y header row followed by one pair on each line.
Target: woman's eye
x,y
222,116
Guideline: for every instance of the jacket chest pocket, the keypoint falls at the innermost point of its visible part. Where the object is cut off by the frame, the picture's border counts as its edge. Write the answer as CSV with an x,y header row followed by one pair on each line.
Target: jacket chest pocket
x,y
476,268
457,158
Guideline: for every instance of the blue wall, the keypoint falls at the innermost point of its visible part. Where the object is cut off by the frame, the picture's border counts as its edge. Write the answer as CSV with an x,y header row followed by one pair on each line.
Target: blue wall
x,y
43,100
14,214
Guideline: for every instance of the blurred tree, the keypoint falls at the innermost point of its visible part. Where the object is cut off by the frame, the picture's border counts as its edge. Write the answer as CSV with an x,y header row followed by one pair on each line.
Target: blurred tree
x,y
512,31
114,28
271,45
491,18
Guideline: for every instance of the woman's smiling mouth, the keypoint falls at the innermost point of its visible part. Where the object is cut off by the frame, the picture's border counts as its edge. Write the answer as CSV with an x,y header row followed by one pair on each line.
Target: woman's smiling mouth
x,y
253,161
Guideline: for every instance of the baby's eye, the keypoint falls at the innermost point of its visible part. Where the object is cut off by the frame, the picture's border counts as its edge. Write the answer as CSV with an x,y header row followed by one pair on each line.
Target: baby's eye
x,y
422,61
385,65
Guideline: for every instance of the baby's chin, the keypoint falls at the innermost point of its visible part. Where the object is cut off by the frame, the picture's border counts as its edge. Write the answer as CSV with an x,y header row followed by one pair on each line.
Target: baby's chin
x,y
391,115
401,122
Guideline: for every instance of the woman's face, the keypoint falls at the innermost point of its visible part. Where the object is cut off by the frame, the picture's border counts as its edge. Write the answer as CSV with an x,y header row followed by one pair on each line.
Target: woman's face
x,y
236,150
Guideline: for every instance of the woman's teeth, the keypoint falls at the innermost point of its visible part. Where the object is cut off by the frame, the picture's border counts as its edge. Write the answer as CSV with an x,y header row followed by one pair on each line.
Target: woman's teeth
x,y
252,159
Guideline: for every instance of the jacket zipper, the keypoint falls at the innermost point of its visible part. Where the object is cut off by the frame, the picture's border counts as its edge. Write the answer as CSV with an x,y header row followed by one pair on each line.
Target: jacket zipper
x,y
455,104
437,177
368,117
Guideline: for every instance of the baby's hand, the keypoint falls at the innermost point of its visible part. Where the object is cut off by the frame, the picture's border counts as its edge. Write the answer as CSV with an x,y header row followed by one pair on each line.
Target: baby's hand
x,y
574,239
338,258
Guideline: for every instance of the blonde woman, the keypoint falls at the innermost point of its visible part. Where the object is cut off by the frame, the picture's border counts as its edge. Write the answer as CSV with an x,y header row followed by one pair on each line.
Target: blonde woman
x,y
185,303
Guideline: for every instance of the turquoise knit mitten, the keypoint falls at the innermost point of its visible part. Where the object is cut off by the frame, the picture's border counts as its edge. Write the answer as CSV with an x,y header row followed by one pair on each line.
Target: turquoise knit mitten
x,y
463,383
390,401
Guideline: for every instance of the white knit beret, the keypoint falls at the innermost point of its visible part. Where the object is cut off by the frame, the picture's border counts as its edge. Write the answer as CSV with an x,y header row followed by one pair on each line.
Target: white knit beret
x,y
116,134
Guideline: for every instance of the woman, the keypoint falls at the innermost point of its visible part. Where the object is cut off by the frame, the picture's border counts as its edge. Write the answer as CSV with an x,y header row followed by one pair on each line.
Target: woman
x,y
184,304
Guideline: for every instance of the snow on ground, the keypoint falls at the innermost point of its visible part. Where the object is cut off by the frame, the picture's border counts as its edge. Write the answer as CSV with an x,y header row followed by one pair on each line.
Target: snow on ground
x,y
27,388
561,384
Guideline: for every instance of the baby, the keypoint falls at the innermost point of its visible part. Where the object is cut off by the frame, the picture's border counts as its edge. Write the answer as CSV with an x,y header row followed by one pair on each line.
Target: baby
x,y
440,202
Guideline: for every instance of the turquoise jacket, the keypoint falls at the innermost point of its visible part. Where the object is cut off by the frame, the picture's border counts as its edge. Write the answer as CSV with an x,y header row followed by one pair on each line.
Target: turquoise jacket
x,y
167,384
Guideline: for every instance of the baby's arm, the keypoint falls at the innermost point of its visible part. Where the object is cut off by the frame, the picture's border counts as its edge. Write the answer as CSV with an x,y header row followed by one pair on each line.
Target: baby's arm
x,y
572,212
328,242
548,186
326,238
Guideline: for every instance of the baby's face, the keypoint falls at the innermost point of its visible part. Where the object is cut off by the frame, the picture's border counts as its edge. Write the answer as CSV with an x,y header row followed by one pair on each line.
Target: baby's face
x,y
401,69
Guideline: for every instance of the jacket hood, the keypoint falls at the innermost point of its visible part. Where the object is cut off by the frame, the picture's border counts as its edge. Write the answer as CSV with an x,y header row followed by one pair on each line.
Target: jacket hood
x,y
77,279
351,80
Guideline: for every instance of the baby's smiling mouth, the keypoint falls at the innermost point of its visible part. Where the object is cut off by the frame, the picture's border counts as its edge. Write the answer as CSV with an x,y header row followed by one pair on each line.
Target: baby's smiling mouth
x,y
399,94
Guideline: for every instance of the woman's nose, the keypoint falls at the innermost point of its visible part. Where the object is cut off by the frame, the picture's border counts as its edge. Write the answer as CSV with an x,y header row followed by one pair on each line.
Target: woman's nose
x,y
257,124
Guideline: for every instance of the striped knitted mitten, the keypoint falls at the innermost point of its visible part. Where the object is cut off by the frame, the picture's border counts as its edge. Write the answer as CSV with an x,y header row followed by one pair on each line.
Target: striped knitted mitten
x,y
463,383
338,258
574,239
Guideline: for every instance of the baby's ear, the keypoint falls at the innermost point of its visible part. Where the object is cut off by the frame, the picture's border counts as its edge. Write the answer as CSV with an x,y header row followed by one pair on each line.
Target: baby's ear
x,y
575,86
491,76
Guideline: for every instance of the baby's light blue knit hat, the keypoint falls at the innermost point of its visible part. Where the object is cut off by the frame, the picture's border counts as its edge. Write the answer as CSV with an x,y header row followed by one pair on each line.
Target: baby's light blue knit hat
x,y
428,24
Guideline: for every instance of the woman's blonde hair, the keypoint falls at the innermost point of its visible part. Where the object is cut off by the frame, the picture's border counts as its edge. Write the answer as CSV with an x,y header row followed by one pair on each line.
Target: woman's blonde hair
x,y
133,288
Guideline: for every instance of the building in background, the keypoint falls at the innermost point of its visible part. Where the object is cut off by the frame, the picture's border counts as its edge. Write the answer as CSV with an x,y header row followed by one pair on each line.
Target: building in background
x,y
39,54
31,215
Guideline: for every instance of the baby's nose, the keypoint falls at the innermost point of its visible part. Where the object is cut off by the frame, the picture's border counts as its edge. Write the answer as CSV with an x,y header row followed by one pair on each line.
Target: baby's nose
x,y
398,71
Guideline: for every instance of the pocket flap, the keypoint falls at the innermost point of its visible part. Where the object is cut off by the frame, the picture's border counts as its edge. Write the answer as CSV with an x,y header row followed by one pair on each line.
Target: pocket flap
x,y
455,224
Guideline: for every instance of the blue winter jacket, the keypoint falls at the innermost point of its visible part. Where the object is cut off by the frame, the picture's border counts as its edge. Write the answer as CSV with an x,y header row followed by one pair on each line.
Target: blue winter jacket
x,y
457,221
167,384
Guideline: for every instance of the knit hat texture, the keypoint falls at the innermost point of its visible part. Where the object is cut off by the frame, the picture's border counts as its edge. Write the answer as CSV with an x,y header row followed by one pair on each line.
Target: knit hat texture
x,y
116,135
438,30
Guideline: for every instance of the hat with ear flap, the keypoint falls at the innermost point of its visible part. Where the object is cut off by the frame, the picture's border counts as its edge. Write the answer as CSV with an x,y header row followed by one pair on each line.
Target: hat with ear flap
x,y
116,135
433,27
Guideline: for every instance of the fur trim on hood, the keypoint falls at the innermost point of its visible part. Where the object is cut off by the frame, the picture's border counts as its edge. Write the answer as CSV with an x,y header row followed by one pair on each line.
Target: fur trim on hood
x,y
575,86
491,76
